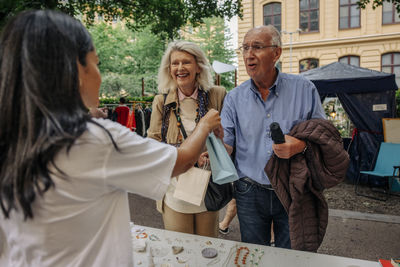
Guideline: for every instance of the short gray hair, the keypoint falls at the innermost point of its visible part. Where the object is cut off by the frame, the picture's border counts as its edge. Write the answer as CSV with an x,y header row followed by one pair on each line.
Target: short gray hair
x,y
165,80
272,31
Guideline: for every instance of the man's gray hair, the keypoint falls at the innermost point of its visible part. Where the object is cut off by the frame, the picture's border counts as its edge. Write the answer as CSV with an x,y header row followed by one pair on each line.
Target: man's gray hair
x,y
165,80
273,31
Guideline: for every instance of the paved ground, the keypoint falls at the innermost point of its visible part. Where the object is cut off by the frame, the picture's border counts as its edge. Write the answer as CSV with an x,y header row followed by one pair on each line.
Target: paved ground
x,y
349,234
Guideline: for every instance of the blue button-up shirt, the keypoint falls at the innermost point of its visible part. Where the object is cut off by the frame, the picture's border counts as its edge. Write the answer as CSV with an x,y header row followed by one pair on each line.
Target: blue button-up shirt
x,y
246,118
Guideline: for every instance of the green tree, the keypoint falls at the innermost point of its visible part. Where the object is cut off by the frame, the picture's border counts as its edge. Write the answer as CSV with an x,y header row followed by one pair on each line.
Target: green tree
x,y
126,57
164,17
213,37
375,3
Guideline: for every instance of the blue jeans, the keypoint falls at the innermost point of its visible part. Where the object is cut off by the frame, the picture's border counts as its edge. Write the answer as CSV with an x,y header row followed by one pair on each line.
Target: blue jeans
x,y
257,208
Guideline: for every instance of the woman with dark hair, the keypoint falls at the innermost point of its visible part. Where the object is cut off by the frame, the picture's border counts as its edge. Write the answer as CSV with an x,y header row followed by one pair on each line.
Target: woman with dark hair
x,y
63,174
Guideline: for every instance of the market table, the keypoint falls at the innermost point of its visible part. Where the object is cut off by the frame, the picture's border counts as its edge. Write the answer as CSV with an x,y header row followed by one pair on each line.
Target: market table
x,y
159,245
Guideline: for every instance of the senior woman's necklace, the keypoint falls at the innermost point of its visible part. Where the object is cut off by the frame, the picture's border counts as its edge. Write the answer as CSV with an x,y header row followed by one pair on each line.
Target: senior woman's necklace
x,y
182,131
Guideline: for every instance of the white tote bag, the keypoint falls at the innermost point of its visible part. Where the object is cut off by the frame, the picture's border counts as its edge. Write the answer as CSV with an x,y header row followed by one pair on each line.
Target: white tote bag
x,y
192,185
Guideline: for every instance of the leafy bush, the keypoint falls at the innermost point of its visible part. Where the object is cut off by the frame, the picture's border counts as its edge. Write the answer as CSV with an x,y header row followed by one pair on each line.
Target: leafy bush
x,y
115,100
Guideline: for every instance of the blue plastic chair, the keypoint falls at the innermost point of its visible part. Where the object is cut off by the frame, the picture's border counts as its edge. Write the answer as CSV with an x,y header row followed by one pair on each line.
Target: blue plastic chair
x,y
387,166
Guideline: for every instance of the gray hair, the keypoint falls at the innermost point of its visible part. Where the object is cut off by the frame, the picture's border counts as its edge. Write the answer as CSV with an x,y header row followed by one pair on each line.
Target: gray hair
x,y
272,31
165,80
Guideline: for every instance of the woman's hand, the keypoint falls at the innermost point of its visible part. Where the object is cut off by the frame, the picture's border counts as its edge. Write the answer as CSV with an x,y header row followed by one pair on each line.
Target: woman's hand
x,y
212,122
203,159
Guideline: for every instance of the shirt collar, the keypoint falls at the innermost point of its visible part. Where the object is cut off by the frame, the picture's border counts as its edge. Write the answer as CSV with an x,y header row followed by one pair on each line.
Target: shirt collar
x,y
273,88
181,96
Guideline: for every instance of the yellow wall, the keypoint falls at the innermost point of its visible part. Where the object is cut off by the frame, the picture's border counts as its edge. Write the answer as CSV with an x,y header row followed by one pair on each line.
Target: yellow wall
x,y
368,42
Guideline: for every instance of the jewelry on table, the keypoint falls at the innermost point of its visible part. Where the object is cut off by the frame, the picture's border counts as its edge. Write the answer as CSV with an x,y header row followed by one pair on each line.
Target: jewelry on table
x,y
177,249
214,261
209,253
181,260
153,237
231,251
244,256
141,235
159,252
256,253
208,243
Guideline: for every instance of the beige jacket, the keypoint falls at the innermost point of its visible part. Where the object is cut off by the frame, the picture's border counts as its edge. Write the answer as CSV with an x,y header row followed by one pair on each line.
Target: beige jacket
x,y
216,97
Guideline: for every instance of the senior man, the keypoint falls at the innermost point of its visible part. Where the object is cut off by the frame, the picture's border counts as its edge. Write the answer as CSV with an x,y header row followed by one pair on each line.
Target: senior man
x,y
268,96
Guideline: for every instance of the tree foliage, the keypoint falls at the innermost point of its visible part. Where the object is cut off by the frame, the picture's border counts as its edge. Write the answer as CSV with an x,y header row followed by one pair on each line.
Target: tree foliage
x,y
213,37
126,57
375,3
164,17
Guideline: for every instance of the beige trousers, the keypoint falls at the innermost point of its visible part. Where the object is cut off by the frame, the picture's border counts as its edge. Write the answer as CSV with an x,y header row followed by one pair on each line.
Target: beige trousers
x,y
203,223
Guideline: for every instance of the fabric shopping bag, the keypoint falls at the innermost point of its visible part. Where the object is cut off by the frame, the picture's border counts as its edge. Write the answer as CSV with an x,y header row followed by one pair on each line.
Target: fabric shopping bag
x,y
222,168
192,185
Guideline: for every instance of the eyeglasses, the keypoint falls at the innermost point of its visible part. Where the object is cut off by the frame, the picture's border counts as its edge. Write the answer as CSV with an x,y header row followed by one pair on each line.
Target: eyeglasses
x,y
256,48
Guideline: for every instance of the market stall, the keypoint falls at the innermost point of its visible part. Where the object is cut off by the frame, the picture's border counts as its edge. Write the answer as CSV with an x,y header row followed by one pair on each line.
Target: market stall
x,y
167,249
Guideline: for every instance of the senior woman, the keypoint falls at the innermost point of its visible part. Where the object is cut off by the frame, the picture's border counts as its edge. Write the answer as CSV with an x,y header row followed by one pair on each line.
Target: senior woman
x,y
185,84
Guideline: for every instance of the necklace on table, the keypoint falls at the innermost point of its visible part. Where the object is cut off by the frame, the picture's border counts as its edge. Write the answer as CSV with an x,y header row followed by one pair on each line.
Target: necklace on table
x,y
257,253
244,256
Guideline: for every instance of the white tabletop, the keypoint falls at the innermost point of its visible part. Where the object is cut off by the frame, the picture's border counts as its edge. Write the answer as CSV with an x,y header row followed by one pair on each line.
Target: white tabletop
x,y
160,243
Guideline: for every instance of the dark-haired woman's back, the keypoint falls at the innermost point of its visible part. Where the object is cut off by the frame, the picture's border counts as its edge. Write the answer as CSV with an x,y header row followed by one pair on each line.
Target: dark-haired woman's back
x,y
83,219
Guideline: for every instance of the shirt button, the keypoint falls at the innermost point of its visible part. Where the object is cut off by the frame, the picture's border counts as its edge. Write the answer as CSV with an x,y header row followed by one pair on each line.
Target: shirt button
x,y
268,115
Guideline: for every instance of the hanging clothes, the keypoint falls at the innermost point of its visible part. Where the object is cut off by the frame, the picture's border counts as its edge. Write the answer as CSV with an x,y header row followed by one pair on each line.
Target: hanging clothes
x,y
131,124
147,116
140,124
122,114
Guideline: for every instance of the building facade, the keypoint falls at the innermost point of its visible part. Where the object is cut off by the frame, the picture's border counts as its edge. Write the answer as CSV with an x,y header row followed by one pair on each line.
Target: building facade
x,y
318,32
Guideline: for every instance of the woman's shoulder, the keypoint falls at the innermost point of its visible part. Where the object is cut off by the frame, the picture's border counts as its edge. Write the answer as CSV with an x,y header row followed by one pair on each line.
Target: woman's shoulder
x,y
100,130
217,90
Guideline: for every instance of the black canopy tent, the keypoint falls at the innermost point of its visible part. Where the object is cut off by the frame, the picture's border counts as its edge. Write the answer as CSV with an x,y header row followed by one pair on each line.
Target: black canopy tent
x,y
367,96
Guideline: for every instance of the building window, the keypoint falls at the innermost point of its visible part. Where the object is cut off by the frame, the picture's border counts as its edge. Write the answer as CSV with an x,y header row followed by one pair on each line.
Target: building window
x,y
390,14
391,64
308,64
351,60
349,13
309,15
272,15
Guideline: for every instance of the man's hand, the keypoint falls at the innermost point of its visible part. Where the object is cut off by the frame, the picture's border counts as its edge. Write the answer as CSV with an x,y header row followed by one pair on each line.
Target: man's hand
x,y
291,147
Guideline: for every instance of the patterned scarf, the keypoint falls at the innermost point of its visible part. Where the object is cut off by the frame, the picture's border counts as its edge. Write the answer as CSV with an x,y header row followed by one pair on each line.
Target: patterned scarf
x,y
202,100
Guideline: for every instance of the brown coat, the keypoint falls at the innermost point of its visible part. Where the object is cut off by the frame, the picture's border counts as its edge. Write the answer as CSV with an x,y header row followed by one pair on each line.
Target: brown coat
x,y
216,99
299,181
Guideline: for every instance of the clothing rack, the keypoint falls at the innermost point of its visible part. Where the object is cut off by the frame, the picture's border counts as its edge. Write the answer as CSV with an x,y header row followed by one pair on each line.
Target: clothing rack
x,y
129,104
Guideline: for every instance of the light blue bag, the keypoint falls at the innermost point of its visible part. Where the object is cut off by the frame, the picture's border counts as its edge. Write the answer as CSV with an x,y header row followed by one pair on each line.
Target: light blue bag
x,y
222,168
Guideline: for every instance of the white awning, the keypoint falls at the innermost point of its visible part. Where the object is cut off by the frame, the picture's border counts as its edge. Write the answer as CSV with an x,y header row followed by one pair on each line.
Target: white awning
x,y
220,67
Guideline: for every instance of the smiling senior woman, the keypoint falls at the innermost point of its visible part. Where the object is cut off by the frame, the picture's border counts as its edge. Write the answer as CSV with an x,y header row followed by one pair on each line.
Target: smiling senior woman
x,y
185,82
